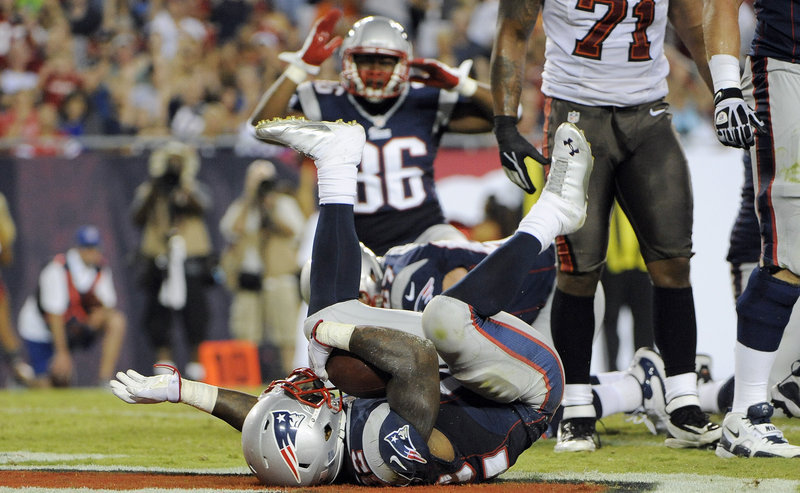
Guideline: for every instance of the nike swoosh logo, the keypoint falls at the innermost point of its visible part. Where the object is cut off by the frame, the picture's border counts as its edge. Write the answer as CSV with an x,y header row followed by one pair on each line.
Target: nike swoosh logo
x,y
734,433
396,460
657,112
410,295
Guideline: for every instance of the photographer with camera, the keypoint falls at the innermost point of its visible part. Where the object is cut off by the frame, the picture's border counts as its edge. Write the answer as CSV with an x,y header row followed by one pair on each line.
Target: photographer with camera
x,y
174,262
262,229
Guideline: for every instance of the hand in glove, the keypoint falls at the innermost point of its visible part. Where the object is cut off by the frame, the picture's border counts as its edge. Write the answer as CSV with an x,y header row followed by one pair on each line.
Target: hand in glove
x,y
518,157
319,45
436,74
134,388
318,354
734,120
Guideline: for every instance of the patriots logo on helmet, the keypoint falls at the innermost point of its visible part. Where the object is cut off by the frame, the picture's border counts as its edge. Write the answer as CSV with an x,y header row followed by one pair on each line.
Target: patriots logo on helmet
x,y
285,429
400,440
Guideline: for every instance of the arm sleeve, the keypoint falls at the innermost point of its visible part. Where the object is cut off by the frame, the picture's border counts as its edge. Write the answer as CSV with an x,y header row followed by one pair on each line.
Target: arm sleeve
x,y
104,290
53,295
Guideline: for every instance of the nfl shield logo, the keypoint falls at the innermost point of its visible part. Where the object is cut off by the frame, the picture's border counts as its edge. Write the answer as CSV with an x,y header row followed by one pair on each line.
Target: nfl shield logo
x,y
574,116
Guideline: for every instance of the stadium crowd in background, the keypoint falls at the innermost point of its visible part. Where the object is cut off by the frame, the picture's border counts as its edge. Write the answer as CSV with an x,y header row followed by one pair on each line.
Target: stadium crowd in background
x,y
197,68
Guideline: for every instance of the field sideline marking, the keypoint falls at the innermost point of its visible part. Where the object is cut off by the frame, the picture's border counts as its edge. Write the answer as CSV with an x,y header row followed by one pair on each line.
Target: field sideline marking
x,y
654,482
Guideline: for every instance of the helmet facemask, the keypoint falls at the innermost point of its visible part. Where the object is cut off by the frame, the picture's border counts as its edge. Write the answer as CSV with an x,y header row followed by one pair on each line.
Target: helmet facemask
x,y
375,74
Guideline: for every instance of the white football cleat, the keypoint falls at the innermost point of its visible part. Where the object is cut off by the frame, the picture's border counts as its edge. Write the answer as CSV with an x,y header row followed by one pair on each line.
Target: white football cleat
x,y
753,435
786,393
568,179
648,369
325,142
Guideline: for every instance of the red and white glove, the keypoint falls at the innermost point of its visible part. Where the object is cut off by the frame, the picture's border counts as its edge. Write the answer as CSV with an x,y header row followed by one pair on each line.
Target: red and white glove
x,y
736,122
135,388
437,74
318,47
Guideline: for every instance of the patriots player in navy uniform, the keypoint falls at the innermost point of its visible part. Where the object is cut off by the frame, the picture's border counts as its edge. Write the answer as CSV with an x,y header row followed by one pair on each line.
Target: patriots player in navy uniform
x,y
760,111
503,381
414,273
404,116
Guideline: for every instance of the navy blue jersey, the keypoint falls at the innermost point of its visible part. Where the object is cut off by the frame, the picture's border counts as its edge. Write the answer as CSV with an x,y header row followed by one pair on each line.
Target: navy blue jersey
x,y
745,241
487,438
777,33
397,198
413,275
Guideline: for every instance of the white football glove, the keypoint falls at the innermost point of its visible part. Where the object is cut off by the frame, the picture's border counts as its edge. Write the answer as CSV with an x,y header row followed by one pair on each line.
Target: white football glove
x,y
134,388
318,354
735,121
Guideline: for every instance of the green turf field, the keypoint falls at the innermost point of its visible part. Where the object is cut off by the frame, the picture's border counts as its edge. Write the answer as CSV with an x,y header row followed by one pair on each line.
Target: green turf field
x,y
79,427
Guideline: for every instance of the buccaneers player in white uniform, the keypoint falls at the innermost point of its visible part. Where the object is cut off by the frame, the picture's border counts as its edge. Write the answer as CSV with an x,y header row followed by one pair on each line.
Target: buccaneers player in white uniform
x,y
605,71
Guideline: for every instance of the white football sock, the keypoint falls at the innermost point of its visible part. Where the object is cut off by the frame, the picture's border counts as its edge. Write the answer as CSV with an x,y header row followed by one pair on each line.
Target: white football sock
x,y
708,394
684,384
578,401
542,221
623,396
752,369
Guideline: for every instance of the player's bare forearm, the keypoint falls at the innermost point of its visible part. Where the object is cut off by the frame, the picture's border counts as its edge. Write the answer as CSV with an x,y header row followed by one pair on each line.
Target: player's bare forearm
x,y
232,407
515,22
686,17
274,103
721,27
413,390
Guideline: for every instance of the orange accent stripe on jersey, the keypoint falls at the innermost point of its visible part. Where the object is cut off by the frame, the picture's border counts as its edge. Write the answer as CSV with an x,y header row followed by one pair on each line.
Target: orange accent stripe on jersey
x,y
565,260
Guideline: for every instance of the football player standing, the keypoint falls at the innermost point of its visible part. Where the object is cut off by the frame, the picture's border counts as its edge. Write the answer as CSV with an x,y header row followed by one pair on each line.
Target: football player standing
x,y
404,116
605,70
760,111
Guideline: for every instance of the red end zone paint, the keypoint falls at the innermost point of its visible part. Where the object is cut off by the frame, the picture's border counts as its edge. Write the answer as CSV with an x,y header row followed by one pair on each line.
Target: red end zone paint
x,y
137,480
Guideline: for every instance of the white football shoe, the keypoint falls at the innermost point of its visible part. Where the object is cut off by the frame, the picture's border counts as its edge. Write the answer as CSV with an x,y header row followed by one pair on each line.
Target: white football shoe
x,y
786,393
568,179
753,435
325,142
648,369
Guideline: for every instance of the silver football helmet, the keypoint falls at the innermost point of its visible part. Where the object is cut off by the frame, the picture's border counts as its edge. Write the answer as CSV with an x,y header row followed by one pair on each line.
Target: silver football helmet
x,y
294,435
376,36
369,288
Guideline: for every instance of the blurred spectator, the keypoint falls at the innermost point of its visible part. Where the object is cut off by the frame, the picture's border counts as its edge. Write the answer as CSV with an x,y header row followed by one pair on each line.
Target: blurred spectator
x,y
262,228
59,78
10,345
74,302
175,261
18,74
171,22
228,16
626,284
74,113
